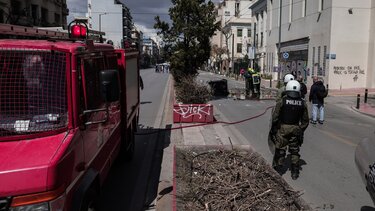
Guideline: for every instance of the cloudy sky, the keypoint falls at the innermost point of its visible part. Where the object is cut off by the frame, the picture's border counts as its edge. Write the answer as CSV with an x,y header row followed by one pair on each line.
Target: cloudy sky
x,y
143,12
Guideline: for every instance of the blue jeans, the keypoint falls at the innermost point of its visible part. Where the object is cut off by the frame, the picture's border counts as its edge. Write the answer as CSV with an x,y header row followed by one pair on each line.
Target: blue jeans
x,y
315,108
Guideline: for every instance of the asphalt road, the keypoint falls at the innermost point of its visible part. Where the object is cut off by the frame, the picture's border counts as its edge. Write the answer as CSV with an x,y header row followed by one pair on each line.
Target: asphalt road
x,y
133,185
329,179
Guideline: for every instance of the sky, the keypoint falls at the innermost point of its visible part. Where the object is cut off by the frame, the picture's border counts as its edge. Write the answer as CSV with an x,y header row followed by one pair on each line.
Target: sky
x,y
142,11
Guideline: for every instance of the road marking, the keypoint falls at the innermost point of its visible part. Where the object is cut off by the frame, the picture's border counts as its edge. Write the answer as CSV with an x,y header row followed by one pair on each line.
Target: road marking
x,y
338,138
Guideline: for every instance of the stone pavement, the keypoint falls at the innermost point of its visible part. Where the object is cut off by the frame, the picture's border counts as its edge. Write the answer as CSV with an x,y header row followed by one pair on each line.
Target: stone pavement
x,y
216,135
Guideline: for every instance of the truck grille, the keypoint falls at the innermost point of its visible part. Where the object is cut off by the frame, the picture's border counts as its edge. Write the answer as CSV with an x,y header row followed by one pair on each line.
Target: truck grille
x,y
4,204
33,95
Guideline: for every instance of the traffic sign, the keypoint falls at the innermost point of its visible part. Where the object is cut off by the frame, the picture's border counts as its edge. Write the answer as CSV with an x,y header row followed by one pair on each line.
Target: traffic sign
x,y
285,55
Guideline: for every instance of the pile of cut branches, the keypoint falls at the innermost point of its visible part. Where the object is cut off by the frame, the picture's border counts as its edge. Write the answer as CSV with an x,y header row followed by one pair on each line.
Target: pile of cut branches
x,y
230,180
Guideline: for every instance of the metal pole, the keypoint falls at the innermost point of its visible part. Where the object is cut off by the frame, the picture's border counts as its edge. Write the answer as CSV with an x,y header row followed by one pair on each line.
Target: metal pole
x,y
366,93
255,44
100,22
232,53
358,99
279,45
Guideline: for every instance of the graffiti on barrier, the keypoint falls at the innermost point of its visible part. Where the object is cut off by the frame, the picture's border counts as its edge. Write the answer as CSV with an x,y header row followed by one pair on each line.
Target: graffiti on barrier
x,y
187,111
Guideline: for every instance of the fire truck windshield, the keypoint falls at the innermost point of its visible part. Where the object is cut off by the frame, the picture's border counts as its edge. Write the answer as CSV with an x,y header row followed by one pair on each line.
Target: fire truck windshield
x,y
32,91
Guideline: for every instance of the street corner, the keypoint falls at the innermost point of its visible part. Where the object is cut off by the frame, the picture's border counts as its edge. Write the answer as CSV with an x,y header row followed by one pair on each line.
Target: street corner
x,y
365,109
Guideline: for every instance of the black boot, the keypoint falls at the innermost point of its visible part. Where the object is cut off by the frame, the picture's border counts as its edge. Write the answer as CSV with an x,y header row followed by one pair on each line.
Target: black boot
x,y
278,161
295,171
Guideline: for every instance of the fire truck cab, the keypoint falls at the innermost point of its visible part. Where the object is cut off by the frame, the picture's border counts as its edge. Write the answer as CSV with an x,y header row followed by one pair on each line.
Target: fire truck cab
x,y
68,108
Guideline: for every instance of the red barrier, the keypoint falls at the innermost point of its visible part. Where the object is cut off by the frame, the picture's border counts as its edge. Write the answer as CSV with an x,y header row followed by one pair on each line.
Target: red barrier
x,y
188,113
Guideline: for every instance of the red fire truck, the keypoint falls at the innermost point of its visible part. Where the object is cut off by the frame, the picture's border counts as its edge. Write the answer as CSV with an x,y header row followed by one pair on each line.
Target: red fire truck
x,y
68,107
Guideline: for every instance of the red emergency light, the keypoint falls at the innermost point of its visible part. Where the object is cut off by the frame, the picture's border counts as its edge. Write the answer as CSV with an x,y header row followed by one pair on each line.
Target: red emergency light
x,y
78,30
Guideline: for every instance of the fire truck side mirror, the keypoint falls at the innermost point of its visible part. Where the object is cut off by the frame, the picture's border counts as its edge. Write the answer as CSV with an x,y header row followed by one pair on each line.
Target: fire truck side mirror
x,y
110,85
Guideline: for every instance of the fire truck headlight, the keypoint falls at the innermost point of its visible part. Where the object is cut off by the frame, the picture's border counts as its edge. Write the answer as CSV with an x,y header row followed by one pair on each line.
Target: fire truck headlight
x,y
33,207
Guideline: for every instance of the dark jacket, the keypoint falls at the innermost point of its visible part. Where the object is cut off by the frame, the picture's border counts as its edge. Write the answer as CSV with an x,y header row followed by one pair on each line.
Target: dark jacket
x,y
303,90
313,97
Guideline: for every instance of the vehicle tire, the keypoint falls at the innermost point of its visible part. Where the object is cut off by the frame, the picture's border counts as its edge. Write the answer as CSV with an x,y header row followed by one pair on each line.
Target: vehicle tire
x,y
90,201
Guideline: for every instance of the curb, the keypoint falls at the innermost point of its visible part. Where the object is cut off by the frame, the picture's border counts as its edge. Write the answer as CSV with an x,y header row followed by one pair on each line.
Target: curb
x,y
361,112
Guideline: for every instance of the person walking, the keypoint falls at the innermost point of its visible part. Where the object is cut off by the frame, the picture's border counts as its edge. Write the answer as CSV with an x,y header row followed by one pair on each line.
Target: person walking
x,y
303,86
317,94
290,119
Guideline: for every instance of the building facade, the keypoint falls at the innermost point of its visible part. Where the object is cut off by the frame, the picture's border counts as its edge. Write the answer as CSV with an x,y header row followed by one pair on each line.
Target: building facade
x,y
43,13
258,50
113,18
235,36
331,39
150,51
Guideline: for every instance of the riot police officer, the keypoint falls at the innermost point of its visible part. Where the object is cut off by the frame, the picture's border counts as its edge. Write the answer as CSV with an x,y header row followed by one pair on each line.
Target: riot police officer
x,y
281,90
290,119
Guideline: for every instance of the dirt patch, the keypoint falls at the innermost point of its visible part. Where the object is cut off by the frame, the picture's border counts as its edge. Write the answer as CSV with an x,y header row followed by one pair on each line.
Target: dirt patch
x,y
230,179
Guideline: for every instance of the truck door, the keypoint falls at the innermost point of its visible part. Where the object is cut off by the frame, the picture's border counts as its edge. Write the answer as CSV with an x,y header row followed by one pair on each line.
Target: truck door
x,y
94,114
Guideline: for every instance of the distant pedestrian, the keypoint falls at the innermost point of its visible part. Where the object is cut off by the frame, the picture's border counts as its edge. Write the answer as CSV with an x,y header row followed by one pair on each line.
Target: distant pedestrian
x,y
303,86
290,119
256,83
249,81
317,94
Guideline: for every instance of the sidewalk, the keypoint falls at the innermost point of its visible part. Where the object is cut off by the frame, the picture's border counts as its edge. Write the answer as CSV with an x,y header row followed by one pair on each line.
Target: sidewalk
x,y
216,135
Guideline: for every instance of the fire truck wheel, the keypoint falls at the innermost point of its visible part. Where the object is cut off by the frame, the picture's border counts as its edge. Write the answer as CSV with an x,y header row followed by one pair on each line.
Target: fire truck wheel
x,y
90,200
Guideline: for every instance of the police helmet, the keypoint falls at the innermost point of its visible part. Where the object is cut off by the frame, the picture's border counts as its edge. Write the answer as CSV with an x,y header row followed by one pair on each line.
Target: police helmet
x,y
293,88
288,77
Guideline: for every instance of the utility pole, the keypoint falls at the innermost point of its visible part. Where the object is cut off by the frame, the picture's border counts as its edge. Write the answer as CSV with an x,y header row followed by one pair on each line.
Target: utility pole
x,y
232,53
100,25
279,45
255,44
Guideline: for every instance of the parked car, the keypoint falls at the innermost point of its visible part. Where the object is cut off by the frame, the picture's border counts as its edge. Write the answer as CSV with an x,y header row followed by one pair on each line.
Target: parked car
x,y
365,161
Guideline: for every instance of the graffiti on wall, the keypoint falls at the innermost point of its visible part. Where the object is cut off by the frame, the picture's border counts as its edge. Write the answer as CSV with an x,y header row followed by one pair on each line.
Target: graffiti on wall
x,y
187,111
349,70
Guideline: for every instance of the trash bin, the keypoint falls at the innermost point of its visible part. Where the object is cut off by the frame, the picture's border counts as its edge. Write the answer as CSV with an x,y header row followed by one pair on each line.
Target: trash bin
x,y
219,87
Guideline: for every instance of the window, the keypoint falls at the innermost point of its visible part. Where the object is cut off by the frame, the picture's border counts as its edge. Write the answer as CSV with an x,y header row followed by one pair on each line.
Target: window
x,y
32,89
237,9
313,61
239,32
16,8
34,11
111,62
319,69
44,16
239,47
249,32
91,79
1,16
261,39
57,19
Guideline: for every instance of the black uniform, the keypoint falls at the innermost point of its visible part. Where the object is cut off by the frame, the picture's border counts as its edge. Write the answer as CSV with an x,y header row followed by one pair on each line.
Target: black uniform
x,y
290,119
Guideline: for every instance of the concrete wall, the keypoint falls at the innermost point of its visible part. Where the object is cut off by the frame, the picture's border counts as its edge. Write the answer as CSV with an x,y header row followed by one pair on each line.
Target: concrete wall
x,y
371,61
345,35
350,41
